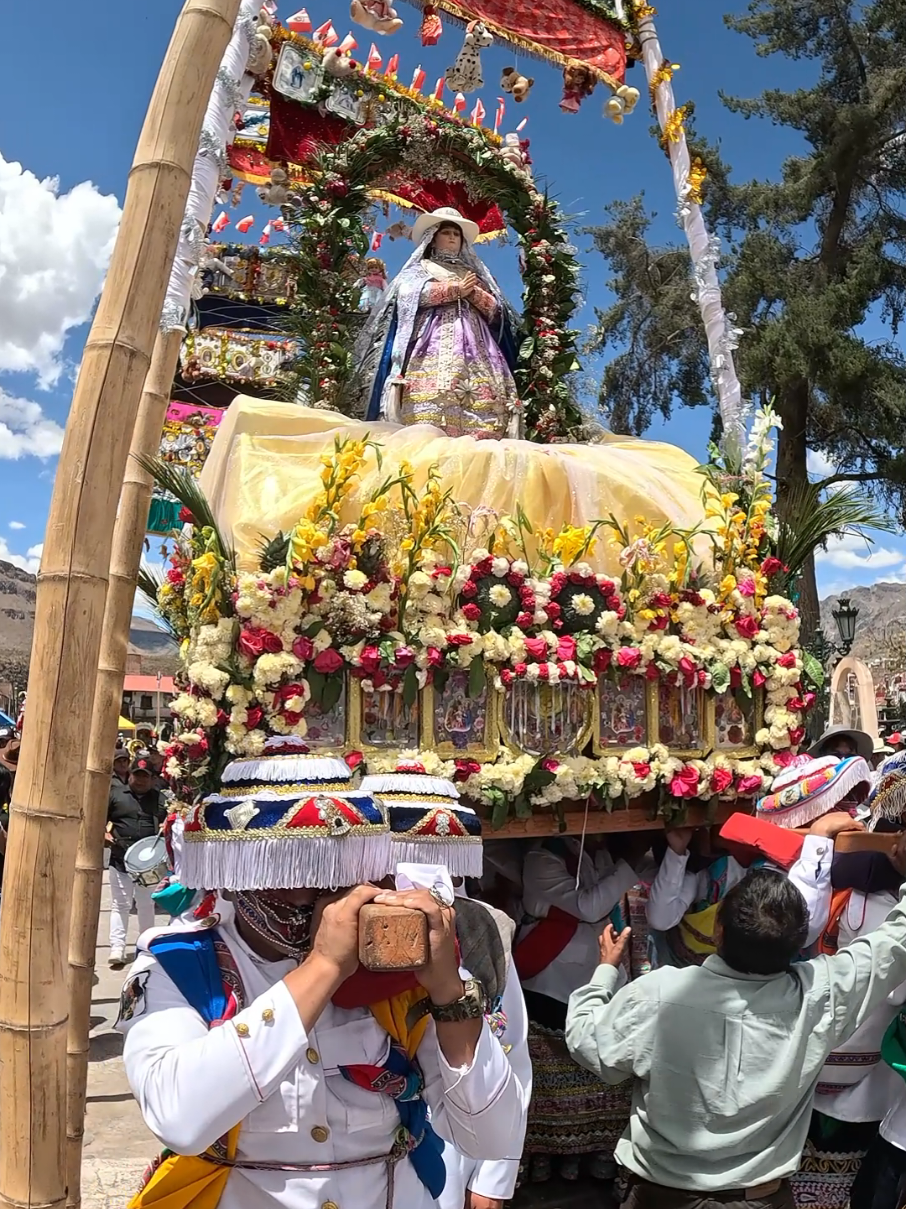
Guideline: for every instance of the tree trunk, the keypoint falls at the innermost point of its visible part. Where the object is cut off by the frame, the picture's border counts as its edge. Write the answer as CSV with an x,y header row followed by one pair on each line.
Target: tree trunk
x,y
72,586
792,472
128,540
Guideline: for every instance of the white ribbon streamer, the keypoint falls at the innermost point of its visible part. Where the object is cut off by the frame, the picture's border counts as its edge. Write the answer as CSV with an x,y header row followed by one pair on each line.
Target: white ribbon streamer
x,y
231,90
722,334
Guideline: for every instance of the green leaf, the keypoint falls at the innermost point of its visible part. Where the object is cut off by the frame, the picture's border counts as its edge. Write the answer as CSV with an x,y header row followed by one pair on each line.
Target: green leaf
x,y
333,689
441,676
477,678
317,682
522,806
720,677
314,629
410,686
499,811
526,348
746,684
813,669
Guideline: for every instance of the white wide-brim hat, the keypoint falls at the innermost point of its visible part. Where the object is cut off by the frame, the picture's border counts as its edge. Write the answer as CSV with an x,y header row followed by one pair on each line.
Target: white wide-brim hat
x,y
437,218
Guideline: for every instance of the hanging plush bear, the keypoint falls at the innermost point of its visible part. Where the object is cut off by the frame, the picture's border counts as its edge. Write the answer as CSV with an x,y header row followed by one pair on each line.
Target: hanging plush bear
x,y
514,82
261,52
338,63
578,83
465,74
621,104
278,191
377,15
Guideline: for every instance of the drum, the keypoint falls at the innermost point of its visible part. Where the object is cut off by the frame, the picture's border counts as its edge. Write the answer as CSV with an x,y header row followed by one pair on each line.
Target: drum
x,y
146,861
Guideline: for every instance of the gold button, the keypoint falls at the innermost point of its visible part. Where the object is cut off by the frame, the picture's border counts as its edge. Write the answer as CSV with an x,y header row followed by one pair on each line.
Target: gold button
x,y
267,1015
313,1056
320,1133
242,1029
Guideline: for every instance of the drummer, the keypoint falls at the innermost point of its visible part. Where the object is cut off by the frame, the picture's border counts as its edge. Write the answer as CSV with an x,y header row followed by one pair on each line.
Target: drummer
x,y
135,810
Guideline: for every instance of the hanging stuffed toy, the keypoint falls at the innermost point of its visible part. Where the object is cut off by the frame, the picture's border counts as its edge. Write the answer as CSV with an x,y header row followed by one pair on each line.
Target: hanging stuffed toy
x,y
465,74
578,83
261,52
432,26
621,104
337,62
514,82
372,283
377,15
399,230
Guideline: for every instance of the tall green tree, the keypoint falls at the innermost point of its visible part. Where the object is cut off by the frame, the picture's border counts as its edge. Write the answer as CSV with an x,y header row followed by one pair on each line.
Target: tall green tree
x,y
808,259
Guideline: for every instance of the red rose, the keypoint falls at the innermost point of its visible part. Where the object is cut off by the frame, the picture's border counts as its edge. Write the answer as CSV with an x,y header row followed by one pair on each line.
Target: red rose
x,y
783,759
506,676
435,657
468,589
771,566
370,660
459,639
543,671
550,764
223,718
329,661
746,627
553,610
629,657
185,515
354,759
758,678
735,677
520,668
403,656
303,649
808,700
251,643
466,769
797,734
685,783
175,576
602,659
471,612
687,666
524,620
292,717
652,672
748,785
787,660
660,623
536,647
721,779
438,571
566,648
641,769
661,600
253,717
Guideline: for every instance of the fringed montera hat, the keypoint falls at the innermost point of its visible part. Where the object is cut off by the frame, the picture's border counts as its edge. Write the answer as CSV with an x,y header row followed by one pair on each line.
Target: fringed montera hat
x,y
888,798
428,823
285,820
802,794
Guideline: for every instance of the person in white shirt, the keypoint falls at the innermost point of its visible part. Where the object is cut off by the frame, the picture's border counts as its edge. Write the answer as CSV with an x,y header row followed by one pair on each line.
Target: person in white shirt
x,y
571,889
239,1048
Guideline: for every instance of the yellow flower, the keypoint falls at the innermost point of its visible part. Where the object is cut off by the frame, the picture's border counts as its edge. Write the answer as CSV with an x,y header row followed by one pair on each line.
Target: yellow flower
x,y
727,585
728,499
407,544
359,536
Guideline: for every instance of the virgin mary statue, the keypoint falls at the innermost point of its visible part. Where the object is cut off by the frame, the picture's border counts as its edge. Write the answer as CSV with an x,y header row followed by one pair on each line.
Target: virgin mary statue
x,y
438,347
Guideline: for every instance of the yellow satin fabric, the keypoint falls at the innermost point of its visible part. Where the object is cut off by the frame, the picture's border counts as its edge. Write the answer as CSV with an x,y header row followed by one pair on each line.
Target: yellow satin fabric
x,y
264,469
185,1181
391,1016
695,926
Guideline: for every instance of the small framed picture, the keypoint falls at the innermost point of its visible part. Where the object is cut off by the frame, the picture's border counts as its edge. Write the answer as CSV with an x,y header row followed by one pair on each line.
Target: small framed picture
x,y
737,719
457,725
623,713
381,721
344,103
683,720
546,719
297,75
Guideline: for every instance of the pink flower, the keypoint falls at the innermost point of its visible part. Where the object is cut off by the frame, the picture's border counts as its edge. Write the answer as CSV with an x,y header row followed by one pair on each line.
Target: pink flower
x,y
629,657
797,734
255,642
468,589
746,627
524,620
566,648
353,759
459,639
687,666
553,610
435,657
550,764
721,779
787,660
370,660
536,647
685,783
746,586
660,600
520,668
758,678
641,769
471,612
403,656
329,661
748,785
303,648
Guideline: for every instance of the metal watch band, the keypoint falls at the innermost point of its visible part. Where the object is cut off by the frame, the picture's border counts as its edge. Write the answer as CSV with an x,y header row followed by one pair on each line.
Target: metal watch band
x,y
470,1005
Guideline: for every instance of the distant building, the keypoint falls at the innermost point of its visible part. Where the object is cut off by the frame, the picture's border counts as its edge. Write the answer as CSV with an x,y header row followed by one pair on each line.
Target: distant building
x,y
146,699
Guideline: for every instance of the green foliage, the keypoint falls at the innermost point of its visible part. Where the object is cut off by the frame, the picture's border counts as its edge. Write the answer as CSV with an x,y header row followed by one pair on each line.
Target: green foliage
x,y
812,515
180,482
808,258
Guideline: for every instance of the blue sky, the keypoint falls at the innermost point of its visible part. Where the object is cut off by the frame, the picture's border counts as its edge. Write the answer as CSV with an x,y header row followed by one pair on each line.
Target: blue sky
x,y
79,126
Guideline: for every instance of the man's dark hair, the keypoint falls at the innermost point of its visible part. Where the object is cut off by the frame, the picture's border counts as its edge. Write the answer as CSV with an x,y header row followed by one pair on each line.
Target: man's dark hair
x,y
763,922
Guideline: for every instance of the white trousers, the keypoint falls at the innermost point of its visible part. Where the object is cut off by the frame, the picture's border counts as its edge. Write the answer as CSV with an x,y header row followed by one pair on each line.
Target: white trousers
x,y
123,890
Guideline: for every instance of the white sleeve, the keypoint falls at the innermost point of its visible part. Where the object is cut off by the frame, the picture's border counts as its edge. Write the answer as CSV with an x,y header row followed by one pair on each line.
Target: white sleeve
x,y
496,1178
811,875
673,891
473,1107
546,879
194,1084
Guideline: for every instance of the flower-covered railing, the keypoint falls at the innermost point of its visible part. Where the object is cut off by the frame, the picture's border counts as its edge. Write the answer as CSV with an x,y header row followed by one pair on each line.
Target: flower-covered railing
x,y
492,647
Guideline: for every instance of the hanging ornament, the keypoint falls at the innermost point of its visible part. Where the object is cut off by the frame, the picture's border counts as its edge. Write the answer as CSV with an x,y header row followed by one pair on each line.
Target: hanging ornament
x,y
265,235
432,26
377,15
376,241
299,23
245,224
465,74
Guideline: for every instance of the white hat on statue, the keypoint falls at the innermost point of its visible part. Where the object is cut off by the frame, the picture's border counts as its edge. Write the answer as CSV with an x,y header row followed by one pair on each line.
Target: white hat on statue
x,y
437,218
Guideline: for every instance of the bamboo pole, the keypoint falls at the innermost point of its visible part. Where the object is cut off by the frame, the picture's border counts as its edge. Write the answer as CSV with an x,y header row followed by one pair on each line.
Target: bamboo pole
x,y
69,612
128,540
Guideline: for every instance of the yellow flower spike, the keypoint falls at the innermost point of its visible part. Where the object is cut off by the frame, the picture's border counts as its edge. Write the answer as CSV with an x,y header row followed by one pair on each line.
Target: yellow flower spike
x,y
407,544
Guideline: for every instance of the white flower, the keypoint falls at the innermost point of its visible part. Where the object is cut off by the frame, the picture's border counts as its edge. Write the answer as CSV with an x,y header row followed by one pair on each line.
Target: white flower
x,y
322,641
583,604
419,585
379,597
499,595
520,567
479,555
355,580
500,567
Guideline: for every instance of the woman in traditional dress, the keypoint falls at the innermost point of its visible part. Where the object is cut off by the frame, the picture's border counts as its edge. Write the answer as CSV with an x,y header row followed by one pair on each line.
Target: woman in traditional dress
x,y
438,348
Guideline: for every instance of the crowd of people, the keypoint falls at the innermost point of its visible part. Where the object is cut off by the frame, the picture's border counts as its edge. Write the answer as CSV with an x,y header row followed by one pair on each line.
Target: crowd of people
x,y
707,1018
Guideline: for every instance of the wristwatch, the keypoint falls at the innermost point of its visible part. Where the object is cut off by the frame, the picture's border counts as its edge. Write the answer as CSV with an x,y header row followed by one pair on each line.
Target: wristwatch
x,y
471,1005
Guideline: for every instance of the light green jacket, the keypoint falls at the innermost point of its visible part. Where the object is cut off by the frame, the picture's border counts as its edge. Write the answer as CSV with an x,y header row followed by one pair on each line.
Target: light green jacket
x,y
725,1064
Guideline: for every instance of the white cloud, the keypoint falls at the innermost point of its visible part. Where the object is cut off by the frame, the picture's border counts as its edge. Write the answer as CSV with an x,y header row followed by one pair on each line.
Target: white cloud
x,y
817,465
852,552
24,428
30,561
54,251
16,525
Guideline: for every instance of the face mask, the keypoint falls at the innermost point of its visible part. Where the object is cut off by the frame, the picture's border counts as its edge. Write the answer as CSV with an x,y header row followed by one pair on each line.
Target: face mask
x,y
285,926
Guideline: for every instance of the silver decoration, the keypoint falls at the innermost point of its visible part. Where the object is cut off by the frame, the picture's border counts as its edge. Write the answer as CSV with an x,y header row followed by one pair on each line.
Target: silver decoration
x,y
232,88
210,145
172,318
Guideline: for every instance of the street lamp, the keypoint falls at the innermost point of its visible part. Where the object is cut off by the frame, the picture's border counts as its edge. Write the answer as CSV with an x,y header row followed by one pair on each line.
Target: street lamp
x,y
846,615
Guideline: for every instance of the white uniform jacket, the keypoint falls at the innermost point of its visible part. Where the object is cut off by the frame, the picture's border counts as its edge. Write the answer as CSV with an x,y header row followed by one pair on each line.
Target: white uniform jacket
x,y
284,1085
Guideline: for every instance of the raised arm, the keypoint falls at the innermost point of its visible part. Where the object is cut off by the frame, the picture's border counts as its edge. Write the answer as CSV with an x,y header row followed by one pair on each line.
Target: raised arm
x,y
674,890
548,883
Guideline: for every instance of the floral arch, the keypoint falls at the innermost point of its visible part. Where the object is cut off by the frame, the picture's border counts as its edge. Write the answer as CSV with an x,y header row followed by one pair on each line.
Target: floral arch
x,y
328,237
